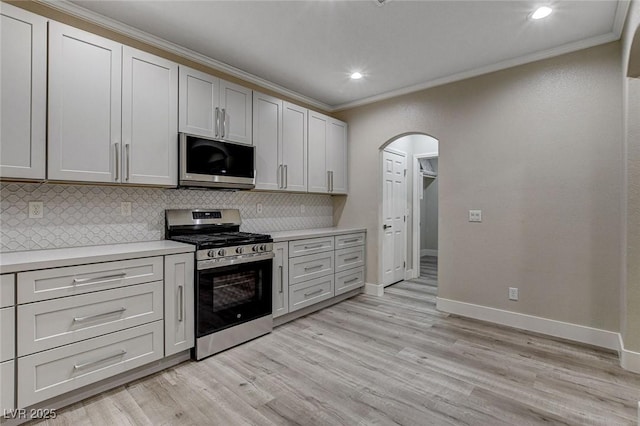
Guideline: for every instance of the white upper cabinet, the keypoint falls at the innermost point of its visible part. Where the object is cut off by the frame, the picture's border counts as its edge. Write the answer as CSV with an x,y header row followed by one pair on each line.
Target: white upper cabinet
x,y
235,109
328,162
267,138
149,119
84,105
198,103
337,155
23,59
318,173
294,147
214,108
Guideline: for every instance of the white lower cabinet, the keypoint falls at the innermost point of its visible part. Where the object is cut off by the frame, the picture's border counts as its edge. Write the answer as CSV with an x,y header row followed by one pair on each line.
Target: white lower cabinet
x,y
7,333
7,385
310,292
179,321
50,373
57,322
304,268
280,282
349,280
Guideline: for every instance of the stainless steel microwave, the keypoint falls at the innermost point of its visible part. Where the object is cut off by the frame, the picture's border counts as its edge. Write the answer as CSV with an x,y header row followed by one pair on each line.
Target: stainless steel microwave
x,y
216,164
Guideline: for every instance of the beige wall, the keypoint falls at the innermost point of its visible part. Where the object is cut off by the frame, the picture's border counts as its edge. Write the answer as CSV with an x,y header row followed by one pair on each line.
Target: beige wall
x,y
631,89
538,148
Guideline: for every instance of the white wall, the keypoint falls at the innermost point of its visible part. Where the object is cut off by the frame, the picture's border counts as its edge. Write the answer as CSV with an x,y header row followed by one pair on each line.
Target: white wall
x,y
550,228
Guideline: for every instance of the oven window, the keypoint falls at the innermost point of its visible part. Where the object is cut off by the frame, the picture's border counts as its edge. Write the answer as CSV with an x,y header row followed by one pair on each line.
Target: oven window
x,y
209,157
232,295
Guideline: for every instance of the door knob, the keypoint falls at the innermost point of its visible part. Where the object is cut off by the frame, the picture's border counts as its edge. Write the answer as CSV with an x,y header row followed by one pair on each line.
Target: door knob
x,y
386,226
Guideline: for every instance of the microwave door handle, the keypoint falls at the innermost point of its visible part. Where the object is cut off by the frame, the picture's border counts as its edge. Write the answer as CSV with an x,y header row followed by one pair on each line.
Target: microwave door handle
x,y
217,121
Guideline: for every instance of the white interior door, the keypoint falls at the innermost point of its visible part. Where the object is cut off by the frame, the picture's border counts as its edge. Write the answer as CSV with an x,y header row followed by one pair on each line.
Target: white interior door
x,y
393,211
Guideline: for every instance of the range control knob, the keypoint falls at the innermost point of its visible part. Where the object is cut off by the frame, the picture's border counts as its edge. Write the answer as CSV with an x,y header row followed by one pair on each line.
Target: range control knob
x,y
211,253
263,247
221,252
240,250
255,248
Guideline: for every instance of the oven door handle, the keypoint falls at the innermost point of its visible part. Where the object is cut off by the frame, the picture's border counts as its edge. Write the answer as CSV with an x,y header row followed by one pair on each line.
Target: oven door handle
x,y
214,263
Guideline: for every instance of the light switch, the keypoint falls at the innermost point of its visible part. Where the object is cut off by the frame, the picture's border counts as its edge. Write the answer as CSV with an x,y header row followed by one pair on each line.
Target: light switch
x,y
475,215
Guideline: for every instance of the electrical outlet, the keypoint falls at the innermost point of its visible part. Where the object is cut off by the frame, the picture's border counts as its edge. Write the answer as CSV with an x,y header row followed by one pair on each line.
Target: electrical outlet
x,y
302,208
513,293
125,208
259,208
36,209
475,215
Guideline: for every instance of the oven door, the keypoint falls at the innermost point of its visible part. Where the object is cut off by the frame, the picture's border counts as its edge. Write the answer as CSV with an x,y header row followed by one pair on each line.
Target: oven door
x,y
231,295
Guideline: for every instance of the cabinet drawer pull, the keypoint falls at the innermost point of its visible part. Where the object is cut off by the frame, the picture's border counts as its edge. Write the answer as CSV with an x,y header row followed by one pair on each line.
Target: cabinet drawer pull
x,y
313,246
352,280
91,363
311,268
180,304
313,293
103,314
102,278
351,258
353,240
281,280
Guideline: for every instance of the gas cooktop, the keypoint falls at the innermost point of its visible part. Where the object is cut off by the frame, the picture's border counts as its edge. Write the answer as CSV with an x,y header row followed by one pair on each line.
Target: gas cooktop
x,y
223,239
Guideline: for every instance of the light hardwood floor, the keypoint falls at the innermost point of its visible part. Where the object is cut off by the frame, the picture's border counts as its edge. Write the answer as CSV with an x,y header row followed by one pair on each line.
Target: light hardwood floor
x,y
384,361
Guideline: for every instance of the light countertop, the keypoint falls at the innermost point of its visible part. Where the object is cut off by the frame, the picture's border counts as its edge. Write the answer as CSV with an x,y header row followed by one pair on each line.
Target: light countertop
x,y
41,259
312,233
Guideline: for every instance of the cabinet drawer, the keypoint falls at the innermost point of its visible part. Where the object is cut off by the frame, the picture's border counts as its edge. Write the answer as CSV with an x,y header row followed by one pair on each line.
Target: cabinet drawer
x,y
50,283
349,258
7,333
7,290
51,373
7,383
310,292
350,240
52,323
305,268
310,246
349,280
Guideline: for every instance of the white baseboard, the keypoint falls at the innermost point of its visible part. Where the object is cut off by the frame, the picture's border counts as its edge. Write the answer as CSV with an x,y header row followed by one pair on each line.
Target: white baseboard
x,y
629,360
577,333
410,274
428,252
374,289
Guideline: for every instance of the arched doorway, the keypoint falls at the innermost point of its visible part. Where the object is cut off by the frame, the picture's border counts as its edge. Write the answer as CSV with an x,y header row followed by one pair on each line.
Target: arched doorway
x,y
408,170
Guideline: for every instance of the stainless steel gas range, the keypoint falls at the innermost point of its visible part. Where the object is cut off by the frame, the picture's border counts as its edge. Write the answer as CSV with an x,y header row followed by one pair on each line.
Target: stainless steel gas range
x,y
232,277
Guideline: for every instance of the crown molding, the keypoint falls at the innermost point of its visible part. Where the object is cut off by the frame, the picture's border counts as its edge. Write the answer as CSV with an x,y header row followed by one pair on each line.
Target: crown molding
x,y
509,63
621,16
139,35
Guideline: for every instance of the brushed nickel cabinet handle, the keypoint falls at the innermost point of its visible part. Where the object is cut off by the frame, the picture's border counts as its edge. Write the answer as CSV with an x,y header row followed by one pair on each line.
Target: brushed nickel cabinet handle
x,y
351,258
313,293
180,304
353,240
217,121
92,363
102,278
280,176
224,122
103,314
117,165
328,181
351,280
281,279
128,159
311,268
313,246
332,181
286,177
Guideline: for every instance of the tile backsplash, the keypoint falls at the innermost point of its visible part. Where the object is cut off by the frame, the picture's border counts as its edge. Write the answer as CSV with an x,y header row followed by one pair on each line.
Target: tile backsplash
x,y
81,215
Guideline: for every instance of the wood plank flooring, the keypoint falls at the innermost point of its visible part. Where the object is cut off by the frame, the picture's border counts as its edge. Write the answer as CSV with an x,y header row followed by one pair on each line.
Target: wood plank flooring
x,y
384,361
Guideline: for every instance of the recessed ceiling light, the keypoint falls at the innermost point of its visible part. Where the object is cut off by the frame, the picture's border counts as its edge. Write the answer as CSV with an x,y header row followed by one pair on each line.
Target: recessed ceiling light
x,y
541,12
356,76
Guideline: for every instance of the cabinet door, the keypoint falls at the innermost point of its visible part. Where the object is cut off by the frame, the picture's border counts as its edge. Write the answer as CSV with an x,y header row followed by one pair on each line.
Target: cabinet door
x,y
267,128
337,156
84,105
280,279
317,166
7,386
149,119
235,107
294,147
179,303
198,99
23,78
